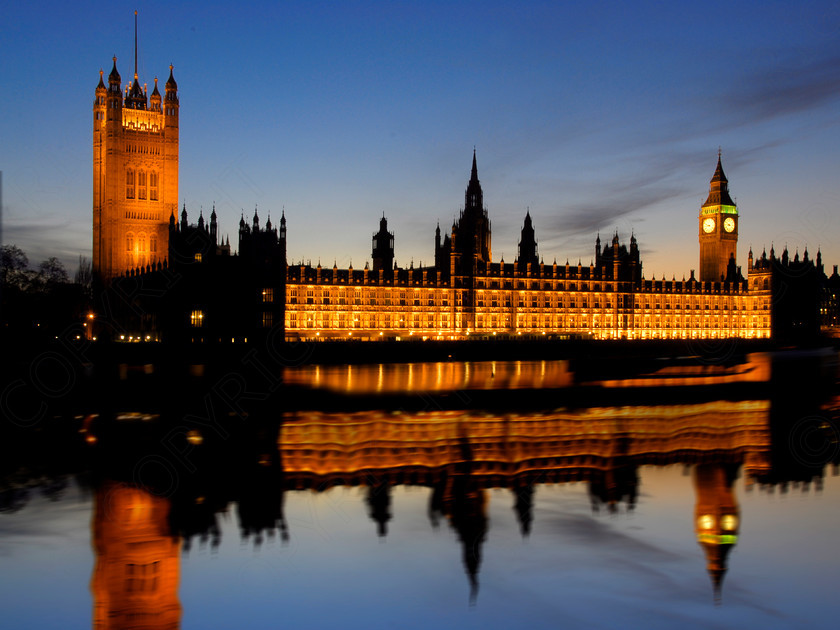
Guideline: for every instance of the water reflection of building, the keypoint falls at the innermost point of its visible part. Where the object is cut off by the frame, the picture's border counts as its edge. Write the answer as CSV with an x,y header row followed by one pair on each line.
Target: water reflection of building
x,y
135,578
458,456
432,377
716,517
321,450
461,455
513,375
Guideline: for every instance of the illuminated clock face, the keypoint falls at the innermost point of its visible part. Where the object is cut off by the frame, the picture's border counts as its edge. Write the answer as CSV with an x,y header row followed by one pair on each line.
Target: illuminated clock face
x,y
729,522
729,224
709,225
706,521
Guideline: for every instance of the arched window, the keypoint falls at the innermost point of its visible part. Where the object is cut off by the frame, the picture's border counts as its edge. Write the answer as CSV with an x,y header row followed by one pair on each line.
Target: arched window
x,y
766,284
141,243
153,186
153,243
129,184
129,242
141,184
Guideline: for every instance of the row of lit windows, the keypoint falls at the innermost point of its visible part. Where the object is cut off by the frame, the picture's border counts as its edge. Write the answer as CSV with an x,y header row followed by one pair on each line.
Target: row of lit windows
x,y
138,244
568,303
319,319
141,184
387,296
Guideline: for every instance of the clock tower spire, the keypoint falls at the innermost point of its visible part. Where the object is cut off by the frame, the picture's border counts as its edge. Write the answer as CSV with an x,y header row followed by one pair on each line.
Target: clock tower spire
x,y
718,229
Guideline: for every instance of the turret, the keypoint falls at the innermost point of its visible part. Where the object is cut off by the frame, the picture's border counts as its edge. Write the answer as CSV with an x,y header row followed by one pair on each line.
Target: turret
x,y
171,104
101,90
213,225
114,79
256,222
283,235
155,99
113,96
383,247
598,250
527,243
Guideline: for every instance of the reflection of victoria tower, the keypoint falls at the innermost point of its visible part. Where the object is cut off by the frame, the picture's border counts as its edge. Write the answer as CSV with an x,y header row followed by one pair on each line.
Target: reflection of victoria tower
x,y
135,580
135,173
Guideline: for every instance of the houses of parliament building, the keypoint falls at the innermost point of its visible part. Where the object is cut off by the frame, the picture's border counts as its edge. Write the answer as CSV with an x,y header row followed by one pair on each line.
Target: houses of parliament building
x,y
170,277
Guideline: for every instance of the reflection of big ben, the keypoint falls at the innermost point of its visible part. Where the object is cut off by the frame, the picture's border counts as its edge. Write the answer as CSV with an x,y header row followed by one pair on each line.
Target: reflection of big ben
x,y
718,229
135,580
716,517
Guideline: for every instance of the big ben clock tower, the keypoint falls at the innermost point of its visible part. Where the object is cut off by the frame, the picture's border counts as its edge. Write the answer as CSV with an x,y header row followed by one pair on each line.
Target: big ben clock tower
x,y
718,229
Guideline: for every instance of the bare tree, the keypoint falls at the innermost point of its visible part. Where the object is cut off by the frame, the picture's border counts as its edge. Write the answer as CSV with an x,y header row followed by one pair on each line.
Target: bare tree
x,y
14,267
84,275
52,272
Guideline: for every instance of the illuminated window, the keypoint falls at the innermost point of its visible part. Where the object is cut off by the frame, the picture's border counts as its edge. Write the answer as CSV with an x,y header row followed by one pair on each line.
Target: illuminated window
x,y
197,319
129,184
267,319
153,186
141,184
142,577
198,257
268,295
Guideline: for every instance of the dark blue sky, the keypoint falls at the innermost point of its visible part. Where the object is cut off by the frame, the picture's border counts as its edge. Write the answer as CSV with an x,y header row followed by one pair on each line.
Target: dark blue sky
x,y
596,116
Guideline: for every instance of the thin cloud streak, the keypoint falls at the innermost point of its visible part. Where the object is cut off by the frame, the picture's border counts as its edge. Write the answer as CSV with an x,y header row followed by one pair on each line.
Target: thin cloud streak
x,y
791,89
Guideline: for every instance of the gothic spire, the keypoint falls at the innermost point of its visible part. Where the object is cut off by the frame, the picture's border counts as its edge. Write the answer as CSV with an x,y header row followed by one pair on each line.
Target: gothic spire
x,y
114,78
474,197
719,188
171,86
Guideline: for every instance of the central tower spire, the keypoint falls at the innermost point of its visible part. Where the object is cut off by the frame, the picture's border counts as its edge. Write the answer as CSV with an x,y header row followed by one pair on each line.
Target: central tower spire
x,y
474,197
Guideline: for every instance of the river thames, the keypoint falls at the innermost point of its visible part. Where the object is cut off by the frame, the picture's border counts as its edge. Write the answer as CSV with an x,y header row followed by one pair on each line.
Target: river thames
x,y
467,495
